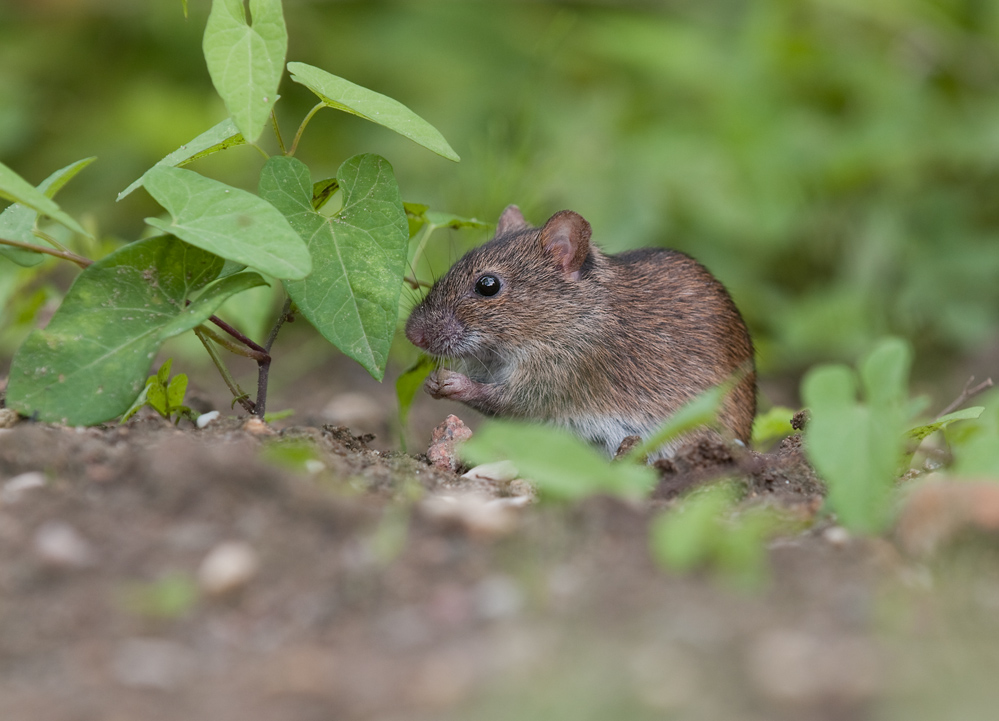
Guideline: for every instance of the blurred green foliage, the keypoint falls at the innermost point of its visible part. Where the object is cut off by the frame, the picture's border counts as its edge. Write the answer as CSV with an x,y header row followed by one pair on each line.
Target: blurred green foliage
x,y
833,161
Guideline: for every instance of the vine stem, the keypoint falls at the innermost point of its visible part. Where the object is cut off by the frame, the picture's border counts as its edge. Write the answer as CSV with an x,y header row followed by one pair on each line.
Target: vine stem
x,y
206,337
301,129
966,395
63,254
277,132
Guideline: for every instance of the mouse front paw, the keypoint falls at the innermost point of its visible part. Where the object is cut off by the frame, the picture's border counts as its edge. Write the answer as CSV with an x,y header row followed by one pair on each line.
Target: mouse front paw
x,y
443,383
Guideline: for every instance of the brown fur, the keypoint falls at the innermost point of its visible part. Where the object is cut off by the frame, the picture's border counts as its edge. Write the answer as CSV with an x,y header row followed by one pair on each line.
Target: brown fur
x,y
606,345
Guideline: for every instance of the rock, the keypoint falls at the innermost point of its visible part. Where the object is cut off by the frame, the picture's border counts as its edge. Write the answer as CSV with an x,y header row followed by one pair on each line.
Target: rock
x,y
257,427
227,568
936,511
444,443
60,545
8,418
16,488
205,418
836,536
152,663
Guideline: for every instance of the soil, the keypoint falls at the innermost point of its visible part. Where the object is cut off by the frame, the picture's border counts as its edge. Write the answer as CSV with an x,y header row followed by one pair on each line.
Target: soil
x,y
374,586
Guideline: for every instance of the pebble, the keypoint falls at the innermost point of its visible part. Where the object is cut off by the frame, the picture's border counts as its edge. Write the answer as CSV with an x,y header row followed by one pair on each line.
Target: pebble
x,y
836,536
228,567
498,472
205,418
257,427
59,544
443,450
152,663
476,513
8,418
15,489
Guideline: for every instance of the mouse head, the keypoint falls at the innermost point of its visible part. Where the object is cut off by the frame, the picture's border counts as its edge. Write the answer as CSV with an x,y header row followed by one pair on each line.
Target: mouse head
x,y
515,289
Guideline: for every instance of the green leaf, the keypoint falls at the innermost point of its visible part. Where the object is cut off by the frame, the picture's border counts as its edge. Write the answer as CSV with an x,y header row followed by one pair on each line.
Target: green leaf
x,y
139,401
920,432
976,444
406,386
562,466
18,190
698,412
344,95
228,222
359,254
774,424
17,221
223,136
322,191
449,220
163,374
156,397
855,445
92,359
176,390
246,61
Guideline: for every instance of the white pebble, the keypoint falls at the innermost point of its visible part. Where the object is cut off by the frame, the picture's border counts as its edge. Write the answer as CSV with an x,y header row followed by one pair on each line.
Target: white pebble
x,y
14,489
498,472
205,418
59,544
228,567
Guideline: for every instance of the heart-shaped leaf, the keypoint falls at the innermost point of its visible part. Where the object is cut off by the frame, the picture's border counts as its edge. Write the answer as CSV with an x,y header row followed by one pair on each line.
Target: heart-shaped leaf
x,y
344,95
228,222
92,359
359,254
246,61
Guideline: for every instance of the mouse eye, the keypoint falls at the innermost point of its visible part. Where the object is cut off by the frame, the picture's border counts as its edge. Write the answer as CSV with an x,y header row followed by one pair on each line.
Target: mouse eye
x,y
487,285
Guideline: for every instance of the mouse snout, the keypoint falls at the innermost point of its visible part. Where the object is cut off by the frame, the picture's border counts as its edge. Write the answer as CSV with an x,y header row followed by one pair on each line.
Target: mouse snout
x,y
439,334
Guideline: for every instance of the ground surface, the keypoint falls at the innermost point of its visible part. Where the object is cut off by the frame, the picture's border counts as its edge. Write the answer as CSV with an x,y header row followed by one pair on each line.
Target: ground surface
x,y
357,584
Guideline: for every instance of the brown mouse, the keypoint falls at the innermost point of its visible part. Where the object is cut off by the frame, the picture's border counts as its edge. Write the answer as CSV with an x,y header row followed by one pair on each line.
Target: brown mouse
x,y
539,324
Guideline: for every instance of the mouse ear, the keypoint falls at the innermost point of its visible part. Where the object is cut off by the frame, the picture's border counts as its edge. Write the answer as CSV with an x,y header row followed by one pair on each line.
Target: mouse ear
x,y
511,220
566,238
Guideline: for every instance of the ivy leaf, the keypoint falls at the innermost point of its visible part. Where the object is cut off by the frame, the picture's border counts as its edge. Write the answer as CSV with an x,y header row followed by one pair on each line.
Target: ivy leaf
x,y
246,61
228,222
92,360
17,221
359,254
18,190
223,136
335,92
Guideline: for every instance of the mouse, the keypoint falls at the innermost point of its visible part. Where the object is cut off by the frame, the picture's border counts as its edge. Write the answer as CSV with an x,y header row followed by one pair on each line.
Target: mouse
x,y
539,324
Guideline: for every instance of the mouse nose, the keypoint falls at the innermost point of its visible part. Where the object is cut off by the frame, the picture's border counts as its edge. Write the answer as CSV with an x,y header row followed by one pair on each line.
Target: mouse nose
x,y
416,333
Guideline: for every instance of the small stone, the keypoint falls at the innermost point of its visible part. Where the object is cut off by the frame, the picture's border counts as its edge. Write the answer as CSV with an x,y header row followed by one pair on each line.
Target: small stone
x,y
257,427
8,418
16,488
444,443
228,567
836,536
498,472
59,544
152,663
205,418
476,513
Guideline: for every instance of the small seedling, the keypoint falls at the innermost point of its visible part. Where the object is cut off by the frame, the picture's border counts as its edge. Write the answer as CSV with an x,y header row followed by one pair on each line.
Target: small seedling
x,y
163,394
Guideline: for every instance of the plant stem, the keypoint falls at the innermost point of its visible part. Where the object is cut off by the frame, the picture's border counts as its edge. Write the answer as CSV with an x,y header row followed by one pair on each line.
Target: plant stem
x,y
50,240
416,284
63,254
205,336
301,129
966,395
260,351
277,132
286,315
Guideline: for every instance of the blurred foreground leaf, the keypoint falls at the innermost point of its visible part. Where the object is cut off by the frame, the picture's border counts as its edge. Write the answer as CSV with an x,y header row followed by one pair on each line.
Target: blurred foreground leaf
x,y
855,444
562,466
406,386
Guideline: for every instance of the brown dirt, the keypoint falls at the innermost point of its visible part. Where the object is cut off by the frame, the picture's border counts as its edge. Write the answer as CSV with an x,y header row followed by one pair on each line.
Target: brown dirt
x,y
370,603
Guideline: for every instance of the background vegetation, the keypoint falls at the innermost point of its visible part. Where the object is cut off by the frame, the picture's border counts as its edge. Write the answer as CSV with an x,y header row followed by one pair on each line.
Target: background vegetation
x,y
835,162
